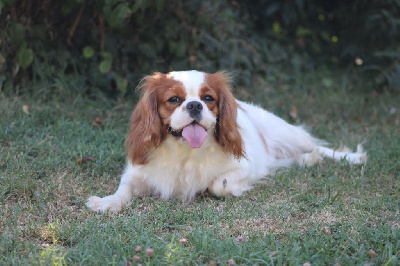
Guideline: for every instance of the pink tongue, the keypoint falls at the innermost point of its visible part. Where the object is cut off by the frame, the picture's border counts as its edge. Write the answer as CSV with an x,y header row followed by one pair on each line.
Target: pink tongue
x,y
195,135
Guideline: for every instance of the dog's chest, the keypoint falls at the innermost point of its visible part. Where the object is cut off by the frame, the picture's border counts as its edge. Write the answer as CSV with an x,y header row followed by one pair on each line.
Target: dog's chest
x,y
182,173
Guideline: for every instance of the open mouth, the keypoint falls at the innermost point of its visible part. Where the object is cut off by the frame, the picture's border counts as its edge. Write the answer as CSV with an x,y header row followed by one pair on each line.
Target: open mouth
x,y
193,133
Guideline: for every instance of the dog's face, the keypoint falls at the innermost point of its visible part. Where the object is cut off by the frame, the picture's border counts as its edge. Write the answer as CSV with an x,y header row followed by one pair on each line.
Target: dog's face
x,y
188,106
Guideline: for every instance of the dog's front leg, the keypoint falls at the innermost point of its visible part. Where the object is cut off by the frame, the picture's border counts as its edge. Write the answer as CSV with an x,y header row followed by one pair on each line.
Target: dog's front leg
x,y
131,184
232,183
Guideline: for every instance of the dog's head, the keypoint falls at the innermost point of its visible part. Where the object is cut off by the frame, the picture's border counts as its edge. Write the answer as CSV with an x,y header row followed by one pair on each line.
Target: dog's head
x,y
189,106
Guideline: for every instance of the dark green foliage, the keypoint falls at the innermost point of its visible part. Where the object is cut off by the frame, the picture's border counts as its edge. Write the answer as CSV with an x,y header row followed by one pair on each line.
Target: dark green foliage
x,y
362,33
109,45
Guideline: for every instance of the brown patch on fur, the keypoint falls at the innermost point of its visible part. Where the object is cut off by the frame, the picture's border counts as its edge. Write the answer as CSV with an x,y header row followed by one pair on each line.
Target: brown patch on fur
x,y
227,130
241,108
280,153
212,106
165,109
152,114
263,139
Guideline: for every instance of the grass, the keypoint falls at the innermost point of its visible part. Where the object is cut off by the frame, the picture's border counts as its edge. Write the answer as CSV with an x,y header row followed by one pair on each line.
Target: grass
x,y
334,213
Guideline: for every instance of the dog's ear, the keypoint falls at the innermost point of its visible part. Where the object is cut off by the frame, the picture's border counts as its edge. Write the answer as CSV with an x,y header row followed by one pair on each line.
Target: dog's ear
x,y
145,130
227,129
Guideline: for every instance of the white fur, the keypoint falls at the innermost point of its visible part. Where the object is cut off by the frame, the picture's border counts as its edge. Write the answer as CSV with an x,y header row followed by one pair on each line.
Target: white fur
x,y
191,80
175,170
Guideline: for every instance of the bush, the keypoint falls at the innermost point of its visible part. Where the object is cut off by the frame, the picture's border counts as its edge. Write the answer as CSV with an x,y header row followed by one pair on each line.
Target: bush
x,y
362,33
109,45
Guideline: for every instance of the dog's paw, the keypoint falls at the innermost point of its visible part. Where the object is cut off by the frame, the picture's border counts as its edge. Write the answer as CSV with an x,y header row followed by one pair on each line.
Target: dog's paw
x,y
109,203
218,188
227,187
359,157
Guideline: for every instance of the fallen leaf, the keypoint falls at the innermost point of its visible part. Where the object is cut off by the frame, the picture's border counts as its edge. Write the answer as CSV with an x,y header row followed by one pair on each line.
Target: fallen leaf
x,y
97,122
327,230
253,198
372,253
149,252
192,59
293,112
212,263
273,254
240,239
84,160
25,109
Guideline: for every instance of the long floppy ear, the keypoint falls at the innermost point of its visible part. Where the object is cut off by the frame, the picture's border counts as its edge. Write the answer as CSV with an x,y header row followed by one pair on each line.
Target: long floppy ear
x,y
145,129
227,129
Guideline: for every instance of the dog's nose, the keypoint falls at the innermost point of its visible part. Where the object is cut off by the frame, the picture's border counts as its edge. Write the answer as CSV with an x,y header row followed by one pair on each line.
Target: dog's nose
x,y
194,108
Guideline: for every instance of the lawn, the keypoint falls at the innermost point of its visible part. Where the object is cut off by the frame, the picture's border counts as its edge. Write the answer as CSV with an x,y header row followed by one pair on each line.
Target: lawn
x,y
54,154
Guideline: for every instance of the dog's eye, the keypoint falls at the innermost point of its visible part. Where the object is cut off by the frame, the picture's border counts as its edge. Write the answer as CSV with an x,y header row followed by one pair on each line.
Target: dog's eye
x,y
208,99
174,99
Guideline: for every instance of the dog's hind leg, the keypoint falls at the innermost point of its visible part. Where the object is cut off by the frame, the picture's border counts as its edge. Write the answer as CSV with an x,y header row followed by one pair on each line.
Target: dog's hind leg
x,y
358,157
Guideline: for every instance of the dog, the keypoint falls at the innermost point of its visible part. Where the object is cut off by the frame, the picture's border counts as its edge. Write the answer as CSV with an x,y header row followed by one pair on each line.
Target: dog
x,y
188,134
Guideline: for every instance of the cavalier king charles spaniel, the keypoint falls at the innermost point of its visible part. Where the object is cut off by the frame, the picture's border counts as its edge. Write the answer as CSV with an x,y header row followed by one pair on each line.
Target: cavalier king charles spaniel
x,y
188,134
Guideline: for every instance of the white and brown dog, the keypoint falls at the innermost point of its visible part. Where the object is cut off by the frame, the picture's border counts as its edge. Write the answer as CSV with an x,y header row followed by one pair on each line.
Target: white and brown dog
x,y
189,134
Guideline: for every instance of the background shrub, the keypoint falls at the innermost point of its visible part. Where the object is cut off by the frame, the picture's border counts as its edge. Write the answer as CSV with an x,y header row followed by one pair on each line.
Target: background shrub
x,y
109,45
